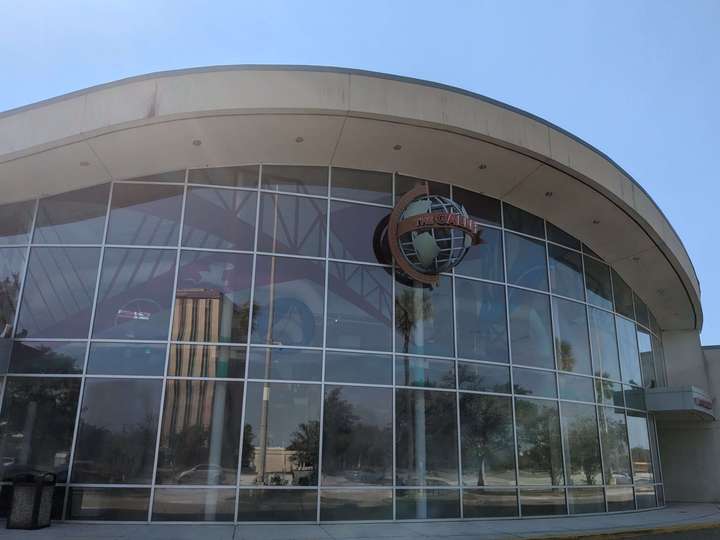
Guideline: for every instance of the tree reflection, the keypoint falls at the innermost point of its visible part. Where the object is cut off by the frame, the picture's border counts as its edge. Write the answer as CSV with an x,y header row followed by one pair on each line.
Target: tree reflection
x,y
305,445
539,444
9,287
412,307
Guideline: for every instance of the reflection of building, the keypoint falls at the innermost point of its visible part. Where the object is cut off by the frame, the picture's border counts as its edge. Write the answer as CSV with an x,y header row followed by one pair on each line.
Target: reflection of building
x,y
198,313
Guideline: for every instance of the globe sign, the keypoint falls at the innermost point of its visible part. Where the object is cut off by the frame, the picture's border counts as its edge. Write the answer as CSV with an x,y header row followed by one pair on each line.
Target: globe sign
x,y
429,234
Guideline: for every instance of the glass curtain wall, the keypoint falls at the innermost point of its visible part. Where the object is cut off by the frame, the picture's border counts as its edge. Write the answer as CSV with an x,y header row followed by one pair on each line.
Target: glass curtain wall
x,y
222,344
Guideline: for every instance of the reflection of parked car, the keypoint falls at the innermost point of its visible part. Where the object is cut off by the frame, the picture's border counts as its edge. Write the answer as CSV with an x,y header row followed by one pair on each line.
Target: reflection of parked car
x,y
366,476
204,474
621,479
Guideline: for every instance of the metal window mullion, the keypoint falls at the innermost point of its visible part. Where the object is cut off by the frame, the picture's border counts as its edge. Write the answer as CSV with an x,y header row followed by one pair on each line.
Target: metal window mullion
x,y
457,399
394,388
24,271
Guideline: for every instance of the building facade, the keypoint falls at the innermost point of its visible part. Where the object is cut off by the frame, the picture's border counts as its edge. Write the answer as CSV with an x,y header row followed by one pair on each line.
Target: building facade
x,y
201,323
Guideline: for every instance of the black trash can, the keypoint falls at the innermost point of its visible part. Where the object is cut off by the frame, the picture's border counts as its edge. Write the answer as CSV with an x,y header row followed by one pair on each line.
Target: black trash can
x,y
31,503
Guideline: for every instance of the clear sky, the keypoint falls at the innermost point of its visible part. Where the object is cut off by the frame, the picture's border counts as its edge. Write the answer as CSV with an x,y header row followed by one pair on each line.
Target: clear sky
x,y
640,80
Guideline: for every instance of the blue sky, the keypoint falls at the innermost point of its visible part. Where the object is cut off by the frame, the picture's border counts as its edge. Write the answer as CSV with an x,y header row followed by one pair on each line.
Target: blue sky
x,y
640,80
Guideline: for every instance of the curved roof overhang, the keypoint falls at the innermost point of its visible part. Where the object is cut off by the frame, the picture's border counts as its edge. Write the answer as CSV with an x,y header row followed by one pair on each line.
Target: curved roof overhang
x,y
249,114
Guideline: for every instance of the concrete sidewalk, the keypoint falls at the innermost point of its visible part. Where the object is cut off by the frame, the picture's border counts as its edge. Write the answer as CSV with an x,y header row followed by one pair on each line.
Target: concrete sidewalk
x,y
676,522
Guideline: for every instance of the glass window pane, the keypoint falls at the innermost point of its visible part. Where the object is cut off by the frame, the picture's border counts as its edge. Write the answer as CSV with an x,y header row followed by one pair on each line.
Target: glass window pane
x,y
288,303
292,225
646,359
586,249
615,453
357,436
427,372
480,207
522,221
531,382
352,230
426,438
427,503
531,340
481,321
586,500
135,294
75,217
403,184
356,505
652,432
557,235
277,505
628,347
15,222
582,447
170,176
484,260
645,497
660,494
359,307
576,388
597,280
606,362
37,422
12,264
486,503
282,434
212,301
620,499
609,393
126,359
117,431
424,319
219,219
488,447
200,435
285,364
539,447
639,441
571,336
295,179
566,277
47,357
108,504
358,368
623,296
220,361
243,176
641,311
542,502
59,291
145,215
634,397
193,504
365,186
526,262
483,377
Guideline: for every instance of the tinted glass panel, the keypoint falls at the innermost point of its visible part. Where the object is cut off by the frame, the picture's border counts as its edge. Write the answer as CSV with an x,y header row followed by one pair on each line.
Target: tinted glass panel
x,y
427,504
36,425
423,319
522,221
285,364
126,359
581,444
576,388
641,311
606,362
557,235
288,303
219,218
277,505
356,505
597,280
615,453
75,217
359,307
623,296
292,225
620,499
542,502
213,297
47,357
108,504
244,176
403,184
207,361
146,215
295,179
481,503
645,497
282,434
488,447
170,176
531,382
484,260
609,393
639,441
12,262
426,437
135,294
366,186
566,275
193,505
646,359
481,321
483,377
586,249
571,336
15,222
200,434
530,329
480,207
358,368
526,262
586,500
634,397
628,347
352,228
539,447
357,436
58,297
428,372
116,434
